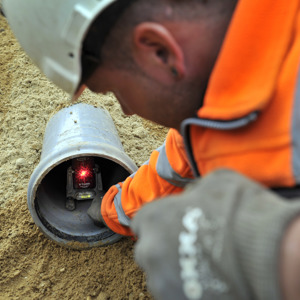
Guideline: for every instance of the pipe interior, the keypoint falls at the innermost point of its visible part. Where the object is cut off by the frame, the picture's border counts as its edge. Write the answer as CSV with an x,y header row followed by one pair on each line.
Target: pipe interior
x,y
73,225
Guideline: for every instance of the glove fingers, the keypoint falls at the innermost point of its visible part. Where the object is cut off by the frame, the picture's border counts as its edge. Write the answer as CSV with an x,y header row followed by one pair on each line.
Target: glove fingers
x,y
94,211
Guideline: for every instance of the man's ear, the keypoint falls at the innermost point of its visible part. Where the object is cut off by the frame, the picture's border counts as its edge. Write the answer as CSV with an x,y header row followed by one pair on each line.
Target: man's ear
x,y
157,52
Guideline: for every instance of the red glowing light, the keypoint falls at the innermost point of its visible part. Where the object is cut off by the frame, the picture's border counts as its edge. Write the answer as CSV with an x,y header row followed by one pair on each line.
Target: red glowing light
x,y
84,175
84,178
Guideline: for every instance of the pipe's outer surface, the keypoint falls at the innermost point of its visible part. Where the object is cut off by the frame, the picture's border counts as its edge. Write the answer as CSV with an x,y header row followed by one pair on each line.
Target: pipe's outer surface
x,y
78,130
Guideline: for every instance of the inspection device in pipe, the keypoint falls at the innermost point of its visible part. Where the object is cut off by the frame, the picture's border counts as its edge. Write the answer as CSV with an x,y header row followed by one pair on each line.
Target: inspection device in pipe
x,y
82,157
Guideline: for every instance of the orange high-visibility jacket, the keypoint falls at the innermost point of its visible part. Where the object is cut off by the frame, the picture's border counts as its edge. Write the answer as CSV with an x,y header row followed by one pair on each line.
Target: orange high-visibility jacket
x,y
249,122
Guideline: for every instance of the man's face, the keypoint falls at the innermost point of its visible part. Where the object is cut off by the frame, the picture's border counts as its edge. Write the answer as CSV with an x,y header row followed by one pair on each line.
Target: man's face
x,y
137,96
148,87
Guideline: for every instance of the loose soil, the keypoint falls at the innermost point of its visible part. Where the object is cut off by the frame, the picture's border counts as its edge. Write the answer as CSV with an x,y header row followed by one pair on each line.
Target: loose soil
x,y
32,266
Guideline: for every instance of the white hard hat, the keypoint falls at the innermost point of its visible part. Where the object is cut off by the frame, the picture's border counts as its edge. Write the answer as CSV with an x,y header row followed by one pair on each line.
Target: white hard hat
x,y
52,33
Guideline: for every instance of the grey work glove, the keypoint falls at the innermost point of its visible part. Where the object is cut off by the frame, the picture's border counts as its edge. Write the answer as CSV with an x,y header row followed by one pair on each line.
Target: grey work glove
x,y
94,211
219,239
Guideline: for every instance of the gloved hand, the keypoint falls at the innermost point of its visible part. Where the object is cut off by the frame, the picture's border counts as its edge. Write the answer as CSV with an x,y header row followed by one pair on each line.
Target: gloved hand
x,y
219,239
94,211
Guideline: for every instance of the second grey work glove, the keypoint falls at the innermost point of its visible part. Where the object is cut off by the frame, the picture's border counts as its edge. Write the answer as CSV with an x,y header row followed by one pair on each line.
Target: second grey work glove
x,y
219,239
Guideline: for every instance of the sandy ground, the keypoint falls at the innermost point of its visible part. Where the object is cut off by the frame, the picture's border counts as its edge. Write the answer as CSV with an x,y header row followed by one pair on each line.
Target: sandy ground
x,y
31,266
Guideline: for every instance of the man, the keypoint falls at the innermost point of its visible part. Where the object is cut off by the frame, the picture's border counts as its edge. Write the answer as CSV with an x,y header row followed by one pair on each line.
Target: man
x,y
223,75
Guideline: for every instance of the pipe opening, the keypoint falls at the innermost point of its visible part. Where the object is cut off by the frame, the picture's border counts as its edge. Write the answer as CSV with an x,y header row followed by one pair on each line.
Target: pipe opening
x,y
75,225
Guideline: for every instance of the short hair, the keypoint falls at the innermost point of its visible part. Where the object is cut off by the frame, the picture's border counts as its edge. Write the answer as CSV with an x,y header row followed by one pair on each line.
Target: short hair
x,y
96,36
112,26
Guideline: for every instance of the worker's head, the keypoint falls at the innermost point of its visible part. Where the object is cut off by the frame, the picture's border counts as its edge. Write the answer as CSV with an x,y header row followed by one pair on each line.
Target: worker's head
x,y
159,55
156,56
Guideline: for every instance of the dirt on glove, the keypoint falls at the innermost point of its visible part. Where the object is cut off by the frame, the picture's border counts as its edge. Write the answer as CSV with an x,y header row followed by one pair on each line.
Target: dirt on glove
x,y
32,266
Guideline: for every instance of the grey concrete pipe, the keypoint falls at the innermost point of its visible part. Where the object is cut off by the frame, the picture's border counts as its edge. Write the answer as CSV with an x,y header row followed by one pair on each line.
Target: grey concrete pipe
x,y
78,135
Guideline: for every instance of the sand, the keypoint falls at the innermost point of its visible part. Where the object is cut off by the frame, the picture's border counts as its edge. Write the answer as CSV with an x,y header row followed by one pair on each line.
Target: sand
x,y
32,266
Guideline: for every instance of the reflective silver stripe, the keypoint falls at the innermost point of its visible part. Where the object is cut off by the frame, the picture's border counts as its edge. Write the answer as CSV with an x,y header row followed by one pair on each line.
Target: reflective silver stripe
x,y
123,219
165,171
296,133
132,175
